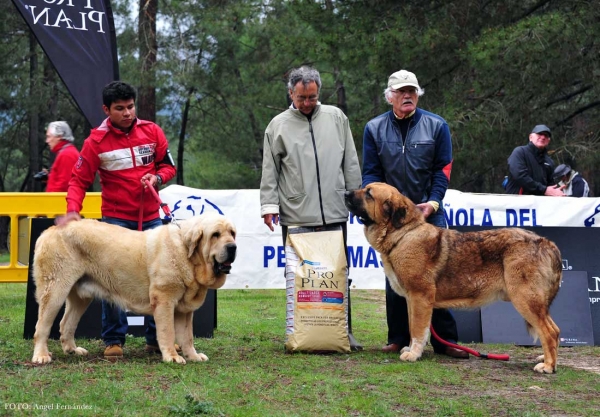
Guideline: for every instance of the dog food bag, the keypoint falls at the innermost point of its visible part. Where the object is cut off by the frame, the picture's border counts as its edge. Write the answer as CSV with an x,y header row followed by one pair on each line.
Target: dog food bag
x,y
317,290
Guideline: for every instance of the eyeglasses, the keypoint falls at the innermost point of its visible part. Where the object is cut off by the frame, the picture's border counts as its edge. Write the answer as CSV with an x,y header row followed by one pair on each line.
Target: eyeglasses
x,y
310,99
403,91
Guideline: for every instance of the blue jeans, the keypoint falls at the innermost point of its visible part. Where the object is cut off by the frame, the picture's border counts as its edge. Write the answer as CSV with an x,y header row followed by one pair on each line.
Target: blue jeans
x,y
114,320
397,310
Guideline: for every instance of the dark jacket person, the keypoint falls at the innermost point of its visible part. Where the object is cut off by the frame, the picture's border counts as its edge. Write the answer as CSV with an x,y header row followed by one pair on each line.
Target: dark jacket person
x,y
530,169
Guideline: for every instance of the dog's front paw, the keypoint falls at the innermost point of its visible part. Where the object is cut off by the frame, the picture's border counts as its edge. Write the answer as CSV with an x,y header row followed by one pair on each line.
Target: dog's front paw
x,y
405,349
41,359
174,358
198,357
409,356
542,368
79,351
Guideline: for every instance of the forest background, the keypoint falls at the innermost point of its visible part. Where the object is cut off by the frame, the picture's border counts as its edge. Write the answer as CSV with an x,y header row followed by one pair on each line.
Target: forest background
x,y
212,74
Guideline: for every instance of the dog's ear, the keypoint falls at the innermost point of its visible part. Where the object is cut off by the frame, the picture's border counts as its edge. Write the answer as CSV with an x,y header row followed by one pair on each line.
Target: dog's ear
x,y
192,238
395,214
398,217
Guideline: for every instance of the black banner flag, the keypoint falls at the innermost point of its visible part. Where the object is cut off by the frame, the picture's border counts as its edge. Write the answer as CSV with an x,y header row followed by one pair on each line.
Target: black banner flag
x,y
78,36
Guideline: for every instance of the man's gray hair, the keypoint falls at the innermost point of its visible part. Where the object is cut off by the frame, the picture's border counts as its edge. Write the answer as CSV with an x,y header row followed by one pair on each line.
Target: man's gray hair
x,y
387,93
62,130
306,75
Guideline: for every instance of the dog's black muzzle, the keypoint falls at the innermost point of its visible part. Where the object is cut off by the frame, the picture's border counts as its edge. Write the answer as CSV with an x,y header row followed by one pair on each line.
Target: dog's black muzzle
x,y
355,206
225,267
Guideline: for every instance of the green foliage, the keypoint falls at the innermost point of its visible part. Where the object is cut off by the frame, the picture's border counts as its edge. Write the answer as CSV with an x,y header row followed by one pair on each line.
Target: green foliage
x,y
214,170
491,69
193,407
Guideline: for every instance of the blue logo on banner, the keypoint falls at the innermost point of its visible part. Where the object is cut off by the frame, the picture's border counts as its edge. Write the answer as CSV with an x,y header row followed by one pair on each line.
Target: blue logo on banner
x,y
196,206
589,222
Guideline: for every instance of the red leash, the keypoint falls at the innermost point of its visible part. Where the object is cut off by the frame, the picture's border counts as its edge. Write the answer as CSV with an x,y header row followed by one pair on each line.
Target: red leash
x,y
499,357
163,206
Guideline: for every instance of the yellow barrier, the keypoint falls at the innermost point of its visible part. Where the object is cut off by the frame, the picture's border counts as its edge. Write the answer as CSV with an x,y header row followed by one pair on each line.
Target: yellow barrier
x,y
20,207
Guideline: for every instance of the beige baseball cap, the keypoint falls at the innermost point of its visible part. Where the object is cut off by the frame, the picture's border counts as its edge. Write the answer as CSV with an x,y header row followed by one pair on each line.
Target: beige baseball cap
x,y
401,79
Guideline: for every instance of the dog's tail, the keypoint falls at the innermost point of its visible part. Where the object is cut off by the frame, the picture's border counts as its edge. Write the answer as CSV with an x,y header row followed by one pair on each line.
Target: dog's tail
x,y
551,272
550,251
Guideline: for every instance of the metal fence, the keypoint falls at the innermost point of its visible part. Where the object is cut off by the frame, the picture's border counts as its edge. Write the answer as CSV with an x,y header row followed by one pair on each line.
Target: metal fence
x,y
20,208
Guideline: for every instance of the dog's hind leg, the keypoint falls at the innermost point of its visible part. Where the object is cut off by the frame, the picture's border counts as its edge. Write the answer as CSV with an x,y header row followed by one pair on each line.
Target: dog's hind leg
x,y
74,309
551,352
537,317
185,336
419,319
50,298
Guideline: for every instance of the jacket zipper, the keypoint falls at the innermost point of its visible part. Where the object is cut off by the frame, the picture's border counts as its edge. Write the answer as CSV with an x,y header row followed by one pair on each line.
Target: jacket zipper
x,y
404,141
312,136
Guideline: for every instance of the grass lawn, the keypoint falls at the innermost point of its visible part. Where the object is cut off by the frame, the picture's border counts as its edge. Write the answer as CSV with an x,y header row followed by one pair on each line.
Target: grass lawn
x,y
249,374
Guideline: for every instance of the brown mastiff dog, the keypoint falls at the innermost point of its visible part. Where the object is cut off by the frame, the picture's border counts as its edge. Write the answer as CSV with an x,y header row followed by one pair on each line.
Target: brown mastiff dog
x,y
165,272
442,268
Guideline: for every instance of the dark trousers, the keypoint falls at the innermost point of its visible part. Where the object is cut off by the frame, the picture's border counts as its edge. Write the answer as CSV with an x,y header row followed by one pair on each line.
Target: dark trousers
x,y
114,320
397,311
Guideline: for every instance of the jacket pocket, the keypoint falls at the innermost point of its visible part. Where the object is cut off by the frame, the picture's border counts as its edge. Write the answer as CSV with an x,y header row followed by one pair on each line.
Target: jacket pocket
x,y
423,150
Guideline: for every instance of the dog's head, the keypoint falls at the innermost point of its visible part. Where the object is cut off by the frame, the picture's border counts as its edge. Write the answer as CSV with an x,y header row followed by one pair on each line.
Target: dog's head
x,y
210,240
381,204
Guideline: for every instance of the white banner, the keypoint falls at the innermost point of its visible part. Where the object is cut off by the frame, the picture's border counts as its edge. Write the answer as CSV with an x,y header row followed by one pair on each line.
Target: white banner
x,y
260,257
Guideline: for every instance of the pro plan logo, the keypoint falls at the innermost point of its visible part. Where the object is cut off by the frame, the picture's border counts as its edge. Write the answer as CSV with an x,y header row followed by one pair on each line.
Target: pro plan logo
x,y
68,15
313,263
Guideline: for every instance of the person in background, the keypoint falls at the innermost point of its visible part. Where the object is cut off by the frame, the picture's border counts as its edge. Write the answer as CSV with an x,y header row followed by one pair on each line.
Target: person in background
x,y
59,139
570,182
309,161
126,152
530,169
411,149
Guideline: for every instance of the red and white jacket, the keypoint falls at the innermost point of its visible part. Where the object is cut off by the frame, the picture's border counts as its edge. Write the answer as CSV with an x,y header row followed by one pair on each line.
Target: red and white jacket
x,y
60,173
122,159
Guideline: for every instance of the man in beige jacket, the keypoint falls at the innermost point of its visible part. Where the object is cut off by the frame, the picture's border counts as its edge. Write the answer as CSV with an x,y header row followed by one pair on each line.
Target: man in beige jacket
x,y
309,161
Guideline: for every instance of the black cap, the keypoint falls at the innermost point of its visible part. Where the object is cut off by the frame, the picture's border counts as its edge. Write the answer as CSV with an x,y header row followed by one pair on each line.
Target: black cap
x,y
560,171
541,128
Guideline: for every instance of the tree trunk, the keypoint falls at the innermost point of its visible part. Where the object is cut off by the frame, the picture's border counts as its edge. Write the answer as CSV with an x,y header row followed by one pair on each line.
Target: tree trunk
x,y
181,146
34,148
146,103
341,92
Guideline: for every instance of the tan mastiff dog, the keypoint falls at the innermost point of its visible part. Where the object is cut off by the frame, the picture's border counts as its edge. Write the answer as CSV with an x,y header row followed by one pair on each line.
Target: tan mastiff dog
x,y
165,272
442,268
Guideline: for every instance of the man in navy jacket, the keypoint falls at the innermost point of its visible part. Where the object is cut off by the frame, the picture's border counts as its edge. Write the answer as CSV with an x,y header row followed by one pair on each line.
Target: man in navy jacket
x,y
411,149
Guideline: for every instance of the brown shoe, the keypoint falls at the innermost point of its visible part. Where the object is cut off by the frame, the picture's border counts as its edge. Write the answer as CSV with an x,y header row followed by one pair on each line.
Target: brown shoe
x,y
156,349
113,351
456,353
391,348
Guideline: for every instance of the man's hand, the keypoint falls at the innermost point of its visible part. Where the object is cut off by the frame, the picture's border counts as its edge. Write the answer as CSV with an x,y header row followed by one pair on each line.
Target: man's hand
x,y
426,208
269,219
555,192
150,178
69,217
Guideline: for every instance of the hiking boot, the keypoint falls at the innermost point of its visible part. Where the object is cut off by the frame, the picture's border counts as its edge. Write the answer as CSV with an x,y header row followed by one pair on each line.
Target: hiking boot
x,y
156,349
113,351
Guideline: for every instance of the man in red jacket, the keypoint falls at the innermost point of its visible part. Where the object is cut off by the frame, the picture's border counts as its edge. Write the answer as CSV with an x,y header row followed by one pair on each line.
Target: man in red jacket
x,y
125,151
59,138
